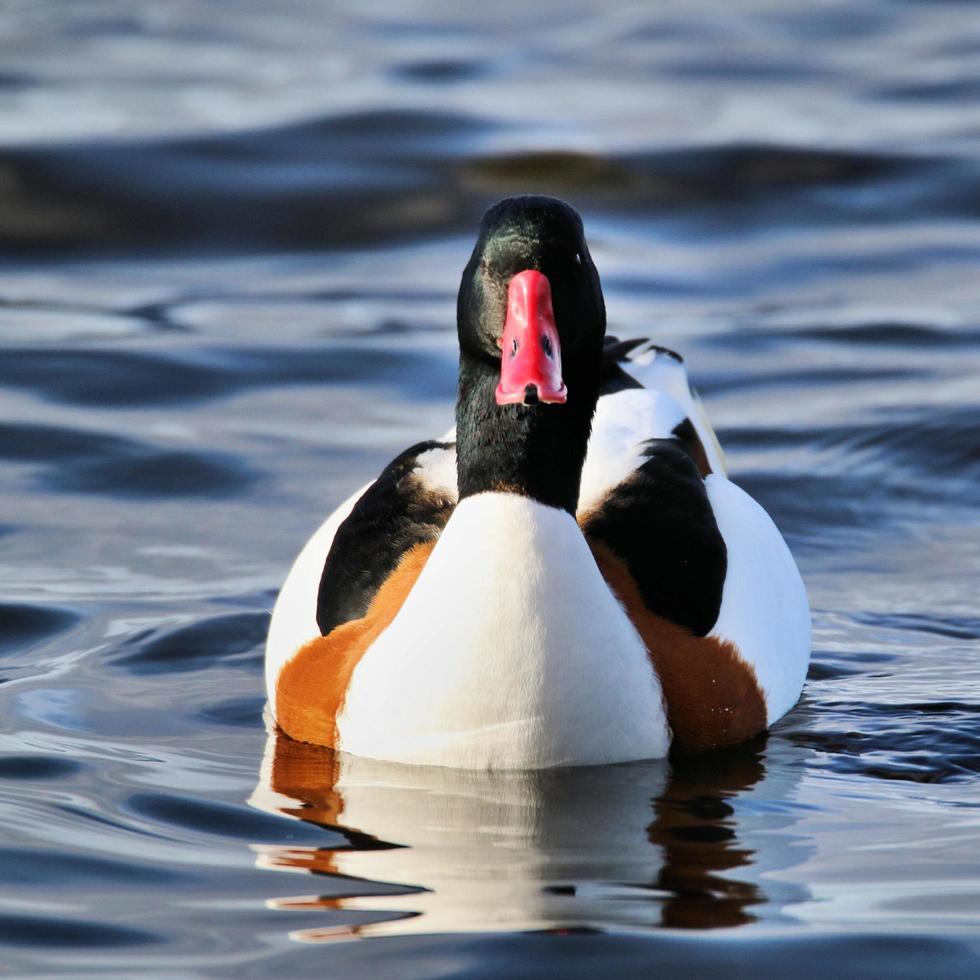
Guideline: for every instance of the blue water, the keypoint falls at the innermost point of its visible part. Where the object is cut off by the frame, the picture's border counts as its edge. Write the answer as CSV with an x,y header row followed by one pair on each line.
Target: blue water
x,y
230,238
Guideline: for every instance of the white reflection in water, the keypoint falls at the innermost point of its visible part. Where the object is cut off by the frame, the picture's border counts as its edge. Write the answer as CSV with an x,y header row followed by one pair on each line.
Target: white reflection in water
x,y
428,849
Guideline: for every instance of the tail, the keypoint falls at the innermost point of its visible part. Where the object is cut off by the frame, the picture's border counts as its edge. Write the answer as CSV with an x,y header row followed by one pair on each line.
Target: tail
x,y
640,363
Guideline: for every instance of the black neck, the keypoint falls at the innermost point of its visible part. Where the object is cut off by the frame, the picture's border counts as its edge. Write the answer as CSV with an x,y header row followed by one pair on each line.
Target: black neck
x,y
535,450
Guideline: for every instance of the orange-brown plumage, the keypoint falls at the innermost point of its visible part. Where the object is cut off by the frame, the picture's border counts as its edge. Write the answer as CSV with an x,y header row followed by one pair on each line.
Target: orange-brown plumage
x,y
312,685
712,695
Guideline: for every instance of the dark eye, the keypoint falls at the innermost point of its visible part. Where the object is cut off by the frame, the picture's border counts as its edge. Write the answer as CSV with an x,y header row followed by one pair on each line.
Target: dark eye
x,y
546,344
515,346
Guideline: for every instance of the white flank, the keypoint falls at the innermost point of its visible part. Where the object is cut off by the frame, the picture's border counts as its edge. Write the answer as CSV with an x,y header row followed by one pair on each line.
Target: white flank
x,y
764,608
625,420
622,424
509,652
294,616
660,372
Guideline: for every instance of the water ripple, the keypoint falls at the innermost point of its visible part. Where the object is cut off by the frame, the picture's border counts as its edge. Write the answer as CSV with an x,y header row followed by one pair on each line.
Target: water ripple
x,y
125,378
232,639
92,462
22,626
61,932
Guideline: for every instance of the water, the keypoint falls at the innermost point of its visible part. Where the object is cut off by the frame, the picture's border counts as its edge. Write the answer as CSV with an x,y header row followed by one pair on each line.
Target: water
x,y
230,238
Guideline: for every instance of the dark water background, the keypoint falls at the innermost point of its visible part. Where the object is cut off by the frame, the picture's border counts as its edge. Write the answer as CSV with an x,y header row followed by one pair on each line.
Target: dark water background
x,y
230,236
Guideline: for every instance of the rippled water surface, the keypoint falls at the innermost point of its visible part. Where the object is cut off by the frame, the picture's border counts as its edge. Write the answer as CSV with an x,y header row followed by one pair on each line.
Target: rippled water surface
x,y
230,237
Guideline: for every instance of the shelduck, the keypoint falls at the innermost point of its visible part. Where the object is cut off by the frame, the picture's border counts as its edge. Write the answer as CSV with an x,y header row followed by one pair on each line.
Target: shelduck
x,y
568,577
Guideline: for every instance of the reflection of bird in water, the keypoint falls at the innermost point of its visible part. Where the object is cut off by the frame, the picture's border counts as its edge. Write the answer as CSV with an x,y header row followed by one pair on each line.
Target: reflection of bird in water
x,y
428,849
695,826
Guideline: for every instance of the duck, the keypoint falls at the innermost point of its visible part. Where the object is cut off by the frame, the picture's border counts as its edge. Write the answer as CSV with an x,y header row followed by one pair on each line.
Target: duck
x,y
567,577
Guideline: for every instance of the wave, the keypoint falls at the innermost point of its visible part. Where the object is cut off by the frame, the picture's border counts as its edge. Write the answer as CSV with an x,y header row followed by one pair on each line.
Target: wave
x,y
381,176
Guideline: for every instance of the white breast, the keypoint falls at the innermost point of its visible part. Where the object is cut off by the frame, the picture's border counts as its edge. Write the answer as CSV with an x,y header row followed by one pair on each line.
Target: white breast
x,y
509,652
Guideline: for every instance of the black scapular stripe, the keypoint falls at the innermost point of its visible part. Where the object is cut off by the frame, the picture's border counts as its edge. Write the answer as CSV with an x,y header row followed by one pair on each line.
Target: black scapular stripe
x,y
660,523
397,512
